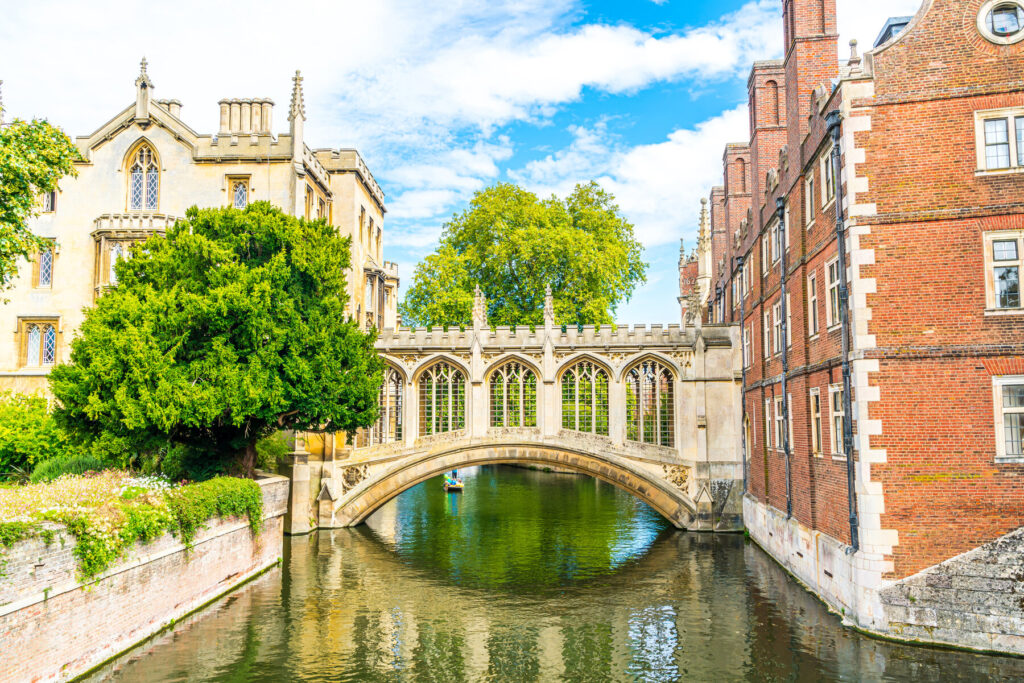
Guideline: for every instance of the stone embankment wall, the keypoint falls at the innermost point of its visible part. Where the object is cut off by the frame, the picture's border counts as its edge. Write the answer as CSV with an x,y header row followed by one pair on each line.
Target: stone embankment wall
x,y
54,627
974,600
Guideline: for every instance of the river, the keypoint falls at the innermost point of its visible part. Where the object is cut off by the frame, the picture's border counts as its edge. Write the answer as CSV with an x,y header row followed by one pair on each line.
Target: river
x,y
528,576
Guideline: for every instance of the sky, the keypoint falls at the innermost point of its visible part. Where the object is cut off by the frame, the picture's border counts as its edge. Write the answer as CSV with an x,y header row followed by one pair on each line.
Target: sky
x,y
445,98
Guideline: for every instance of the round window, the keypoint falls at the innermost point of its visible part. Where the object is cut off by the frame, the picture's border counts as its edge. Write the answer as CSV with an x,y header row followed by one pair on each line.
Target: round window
x,y
1001,21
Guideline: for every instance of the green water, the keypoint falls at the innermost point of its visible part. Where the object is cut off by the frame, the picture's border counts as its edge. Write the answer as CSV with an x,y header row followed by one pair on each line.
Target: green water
x,y
528,576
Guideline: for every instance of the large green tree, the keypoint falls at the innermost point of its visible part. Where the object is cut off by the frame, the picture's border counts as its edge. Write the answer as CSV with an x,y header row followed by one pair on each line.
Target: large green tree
x,y
513,244
33,157
229,328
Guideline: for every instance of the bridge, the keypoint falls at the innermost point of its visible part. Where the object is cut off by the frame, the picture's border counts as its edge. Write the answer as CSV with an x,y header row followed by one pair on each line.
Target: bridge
x,y
653,410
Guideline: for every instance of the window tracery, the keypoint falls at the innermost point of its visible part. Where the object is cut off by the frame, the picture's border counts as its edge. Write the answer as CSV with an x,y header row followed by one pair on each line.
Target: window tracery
x,y
585,398
513,390
442,399
143,180
650,407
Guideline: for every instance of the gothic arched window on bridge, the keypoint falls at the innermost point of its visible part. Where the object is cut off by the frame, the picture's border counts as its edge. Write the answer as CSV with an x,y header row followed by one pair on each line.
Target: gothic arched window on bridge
x,y
650,407
442,399
513,396
585,398
388,427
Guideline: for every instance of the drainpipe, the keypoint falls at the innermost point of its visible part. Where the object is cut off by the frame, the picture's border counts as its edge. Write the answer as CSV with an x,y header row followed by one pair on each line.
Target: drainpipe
x,y
780,212
833,120
743,372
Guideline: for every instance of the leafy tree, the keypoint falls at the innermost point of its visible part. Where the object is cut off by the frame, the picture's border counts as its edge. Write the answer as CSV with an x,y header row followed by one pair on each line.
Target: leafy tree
x,y
226,330
33,157
513,245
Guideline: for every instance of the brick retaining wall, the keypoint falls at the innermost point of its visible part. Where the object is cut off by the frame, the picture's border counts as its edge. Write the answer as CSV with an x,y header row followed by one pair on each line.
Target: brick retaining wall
x,y
54,628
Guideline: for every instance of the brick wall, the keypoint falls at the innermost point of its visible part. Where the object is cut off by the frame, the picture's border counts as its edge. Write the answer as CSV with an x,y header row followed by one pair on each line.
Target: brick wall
x,y
59,628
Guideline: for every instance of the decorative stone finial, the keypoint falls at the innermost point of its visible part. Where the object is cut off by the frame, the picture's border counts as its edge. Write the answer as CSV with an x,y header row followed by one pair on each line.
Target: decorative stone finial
x,y
143,81
298,108
693,306
549,307
705,224
854,61
479,308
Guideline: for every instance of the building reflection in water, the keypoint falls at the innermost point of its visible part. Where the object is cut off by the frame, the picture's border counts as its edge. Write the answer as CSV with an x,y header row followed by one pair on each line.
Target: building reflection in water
x,y
378,605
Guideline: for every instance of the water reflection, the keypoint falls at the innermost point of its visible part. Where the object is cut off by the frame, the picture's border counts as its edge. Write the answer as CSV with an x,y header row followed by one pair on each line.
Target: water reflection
x,y
529,577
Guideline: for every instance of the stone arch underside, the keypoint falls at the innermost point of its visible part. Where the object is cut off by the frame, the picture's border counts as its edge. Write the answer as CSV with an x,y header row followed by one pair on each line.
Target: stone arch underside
x,y
663,497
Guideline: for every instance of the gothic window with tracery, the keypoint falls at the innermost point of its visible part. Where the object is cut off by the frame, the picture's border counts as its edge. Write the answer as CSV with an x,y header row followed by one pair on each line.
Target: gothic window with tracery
x,y
650,409
40,343
513,396
44,267
388,428
239,194
585,398
442,399
144,180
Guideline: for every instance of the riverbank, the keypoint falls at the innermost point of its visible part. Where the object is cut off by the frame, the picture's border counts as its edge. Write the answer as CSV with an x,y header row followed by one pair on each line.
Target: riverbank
x,y
528,577
63,618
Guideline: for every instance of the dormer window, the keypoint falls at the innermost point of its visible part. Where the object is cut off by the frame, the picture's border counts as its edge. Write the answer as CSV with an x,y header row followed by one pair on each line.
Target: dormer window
x,y
143,180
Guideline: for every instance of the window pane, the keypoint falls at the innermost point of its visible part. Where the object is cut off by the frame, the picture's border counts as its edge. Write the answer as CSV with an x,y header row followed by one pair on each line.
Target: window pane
x,y
32,345
241,195
1014,427
1004,250
1013,396
49,344
997,144
1020,141
1007,287
135,193
152,186
45,267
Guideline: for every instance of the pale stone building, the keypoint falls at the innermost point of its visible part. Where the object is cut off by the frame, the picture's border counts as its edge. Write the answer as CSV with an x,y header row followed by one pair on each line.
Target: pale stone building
x,y
140,171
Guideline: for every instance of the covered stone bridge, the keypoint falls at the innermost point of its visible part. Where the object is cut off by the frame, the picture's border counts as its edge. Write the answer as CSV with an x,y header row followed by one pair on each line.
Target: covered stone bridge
x,y
654,410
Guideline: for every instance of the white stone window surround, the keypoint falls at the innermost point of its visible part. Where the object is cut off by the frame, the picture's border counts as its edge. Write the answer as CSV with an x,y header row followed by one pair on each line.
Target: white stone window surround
x,y
989,240
746,346
814,404
1014,119
778,423
983,21
809,213
832,307
812,305
768,423
777,327
1002,412
836,418
766,342
828,184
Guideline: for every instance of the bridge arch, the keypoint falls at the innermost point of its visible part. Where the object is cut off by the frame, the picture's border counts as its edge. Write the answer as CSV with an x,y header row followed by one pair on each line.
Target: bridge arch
x,y
374,491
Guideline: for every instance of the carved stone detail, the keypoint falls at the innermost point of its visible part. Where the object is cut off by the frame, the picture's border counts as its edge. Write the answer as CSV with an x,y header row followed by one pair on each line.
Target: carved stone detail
x,y
677,475
352,476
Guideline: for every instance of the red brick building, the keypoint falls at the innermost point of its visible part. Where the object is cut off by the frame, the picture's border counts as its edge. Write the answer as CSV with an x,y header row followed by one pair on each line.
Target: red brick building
x,y
919,143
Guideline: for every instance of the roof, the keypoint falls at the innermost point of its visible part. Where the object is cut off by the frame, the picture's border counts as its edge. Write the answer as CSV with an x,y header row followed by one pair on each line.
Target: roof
x,y
893,25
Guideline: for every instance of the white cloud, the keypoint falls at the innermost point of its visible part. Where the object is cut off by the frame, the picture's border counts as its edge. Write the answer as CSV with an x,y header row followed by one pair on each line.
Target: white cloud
x,y
863,20
657,186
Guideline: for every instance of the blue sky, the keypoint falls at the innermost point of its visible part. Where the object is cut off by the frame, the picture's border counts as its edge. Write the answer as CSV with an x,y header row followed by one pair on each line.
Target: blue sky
x,y
443,99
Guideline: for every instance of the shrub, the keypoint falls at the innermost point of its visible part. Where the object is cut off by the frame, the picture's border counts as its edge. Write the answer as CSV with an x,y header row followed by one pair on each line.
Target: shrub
x,y
66,463
109,513
28,433
270,452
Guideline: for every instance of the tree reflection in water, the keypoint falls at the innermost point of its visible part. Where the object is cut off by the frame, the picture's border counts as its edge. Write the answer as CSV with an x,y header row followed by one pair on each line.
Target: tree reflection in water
x,y
527,576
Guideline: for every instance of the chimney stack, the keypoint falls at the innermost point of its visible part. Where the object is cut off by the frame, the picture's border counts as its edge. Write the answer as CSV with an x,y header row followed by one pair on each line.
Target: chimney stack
x,y
172,106
252,116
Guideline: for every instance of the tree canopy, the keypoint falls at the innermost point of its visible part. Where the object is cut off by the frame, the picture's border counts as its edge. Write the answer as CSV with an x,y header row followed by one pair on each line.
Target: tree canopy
x,y
229,328
513,244
33,157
